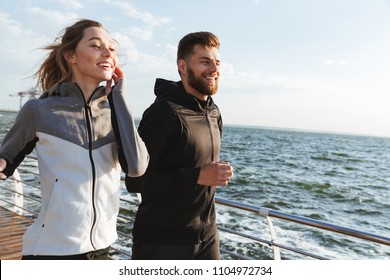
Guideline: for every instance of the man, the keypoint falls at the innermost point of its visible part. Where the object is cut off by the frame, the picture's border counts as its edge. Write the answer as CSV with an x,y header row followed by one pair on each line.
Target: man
x,y
182,131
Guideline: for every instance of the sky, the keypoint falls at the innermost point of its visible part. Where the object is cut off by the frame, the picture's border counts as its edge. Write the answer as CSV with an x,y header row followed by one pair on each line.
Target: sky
x,y
304,64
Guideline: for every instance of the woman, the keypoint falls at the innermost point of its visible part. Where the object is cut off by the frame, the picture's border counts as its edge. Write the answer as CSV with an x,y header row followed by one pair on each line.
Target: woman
x,y
81,132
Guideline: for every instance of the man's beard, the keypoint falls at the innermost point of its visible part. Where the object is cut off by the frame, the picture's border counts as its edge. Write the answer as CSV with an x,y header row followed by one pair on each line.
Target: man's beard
x,y
201,86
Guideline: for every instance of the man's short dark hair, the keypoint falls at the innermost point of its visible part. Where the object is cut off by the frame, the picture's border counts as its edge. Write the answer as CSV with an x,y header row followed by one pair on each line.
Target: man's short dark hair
x,y
188,42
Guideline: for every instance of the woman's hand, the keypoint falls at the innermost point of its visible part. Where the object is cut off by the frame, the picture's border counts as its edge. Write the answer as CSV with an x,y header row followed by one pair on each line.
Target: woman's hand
x,y
116,76
3,165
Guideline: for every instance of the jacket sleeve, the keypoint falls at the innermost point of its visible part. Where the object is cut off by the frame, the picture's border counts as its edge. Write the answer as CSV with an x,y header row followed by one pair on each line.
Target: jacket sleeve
x,y
133,155
158,128
21,138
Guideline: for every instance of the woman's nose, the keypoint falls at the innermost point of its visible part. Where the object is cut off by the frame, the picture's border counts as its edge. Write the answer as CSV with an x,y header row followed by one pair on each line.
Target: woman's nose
x,y
107,52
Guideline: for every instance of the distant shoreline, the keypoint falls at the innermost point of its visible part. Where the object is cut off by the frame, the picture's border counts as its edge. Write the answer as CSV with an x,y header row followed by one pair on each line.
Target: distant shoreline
x,y
137,119
306,130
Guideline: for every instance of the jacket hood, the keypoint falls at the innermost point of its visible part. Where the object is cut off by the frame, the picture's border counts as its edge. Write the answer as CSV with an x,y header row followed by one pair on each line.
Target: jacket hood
x,y
69,89
165,88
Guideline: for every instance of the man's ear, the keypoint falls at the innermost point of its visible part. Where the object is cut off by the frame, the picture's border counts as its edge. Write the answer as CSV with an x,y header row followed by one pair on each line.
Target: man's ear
x,y
182,66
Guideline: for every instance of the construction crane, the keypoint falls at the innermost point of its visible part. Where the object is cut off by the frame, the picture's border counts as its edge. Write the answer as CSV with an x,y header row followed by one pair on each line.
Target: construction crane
x,y
31,93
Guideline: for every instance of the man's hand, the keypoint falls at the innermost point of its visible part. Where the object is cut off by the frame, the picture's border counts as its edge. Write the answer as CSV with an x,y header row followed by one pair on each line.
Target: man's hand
x,y
215,174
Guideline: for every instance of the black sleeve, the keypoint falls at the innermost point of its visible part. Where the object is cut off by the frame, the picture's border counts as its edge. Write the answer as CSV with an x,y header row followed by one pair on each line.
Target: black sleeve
x,y
158,128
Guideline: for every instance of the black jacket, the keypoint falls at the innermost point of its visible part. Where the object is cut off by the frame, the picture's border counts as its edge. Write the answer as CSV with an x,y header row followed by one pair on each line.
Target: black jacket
x,y
181,134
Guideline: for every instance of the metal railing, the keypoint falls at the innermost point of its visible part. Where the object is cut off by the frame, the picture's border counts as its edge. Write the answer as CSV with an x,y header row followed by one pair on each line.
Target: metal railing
x,y
129,203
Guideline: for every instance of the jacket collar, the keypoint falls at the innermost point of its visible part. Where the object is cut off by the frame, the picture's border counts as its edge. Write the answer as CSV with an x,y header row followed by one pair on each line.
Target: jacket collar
x,y
70,89
164,88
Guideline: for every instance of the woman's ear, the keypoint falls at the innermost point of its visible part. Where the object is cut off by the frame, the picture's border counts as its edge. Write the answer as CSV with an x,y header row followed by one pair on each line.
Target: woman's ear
x,y
69,57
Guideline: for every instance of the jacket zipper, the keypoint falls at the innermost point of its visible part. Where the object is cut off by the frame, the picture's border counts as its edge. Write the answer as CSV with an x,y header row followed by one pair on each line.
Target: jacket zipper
x,y
201,238
88,118
88,115
211,134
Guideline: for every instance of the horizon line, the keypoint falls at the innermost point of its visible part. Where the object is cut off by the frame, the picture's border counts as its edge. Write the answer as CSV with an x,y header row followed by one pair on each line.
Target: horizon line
x,y
272,128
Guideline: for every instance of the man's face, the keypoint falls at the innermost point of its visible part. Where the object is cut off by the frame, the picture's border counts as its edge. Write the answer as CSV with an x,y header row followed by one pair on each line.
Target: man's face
x,y
201,74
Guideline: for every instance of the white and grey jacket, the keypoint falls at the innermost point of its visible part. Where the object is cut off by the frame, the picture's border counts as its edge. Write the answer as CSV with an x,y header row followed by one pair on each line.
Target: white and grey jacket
x,y
79,146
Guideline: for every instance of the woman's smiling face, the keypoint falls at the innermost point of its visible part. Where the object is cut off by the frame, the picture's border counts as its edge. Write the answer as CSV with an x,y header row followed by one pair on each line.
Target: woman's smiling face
x,y
95,57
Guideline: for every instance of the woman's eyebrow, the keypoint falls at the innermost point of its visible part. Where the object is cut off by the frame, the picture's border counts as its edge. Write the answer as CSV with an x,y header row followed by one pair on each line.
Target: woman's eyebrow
x,y
111,42
95,38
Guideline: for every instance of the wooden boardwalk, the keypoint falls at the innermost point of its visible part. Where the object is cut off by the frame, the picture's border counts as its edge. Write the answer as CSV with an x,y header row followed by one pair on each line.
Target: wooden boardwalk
x,y
12,228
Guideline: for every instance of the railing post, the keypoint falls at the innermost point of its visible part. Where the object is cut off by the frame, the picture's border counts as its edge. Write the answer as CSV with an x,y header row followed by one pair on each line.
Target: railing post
x,y
273,239
265,213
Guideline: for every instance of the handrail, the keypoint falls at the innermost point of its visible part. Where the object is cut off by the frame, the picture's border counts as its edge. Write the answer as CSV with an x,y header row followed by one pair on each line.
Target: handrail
x,y
265,212
261,211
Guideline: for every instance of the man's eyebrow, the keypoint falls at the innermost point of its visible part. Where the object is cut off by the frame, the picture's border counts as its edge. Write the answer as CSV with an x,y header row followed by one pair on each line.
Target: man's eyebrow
x,y
209,59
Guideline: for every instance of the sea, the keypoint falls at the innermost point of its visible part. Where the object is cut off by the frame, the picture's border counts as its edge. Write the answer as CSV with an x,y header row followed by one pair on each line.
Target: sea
x,y
333,178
